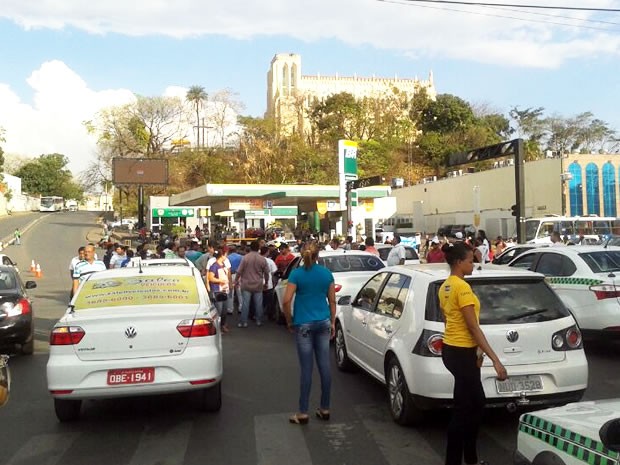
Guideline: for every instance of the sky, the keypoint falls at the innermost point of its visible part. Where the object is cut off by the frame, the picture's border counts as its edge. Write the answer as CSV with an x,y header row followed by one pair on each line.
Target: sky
x,y
62,61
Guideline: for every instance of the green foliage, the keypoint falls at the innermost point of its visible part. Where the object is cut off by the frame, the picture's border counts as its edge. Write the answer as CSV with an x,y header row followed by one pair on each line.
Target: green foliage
x,y
48,175
448,113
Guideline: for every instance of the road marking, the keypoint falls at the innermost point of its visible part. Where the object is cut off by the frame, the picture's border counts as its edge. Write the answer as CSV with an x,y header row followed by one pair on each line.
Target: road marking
x,y
399,445
44,449
163,445
279,442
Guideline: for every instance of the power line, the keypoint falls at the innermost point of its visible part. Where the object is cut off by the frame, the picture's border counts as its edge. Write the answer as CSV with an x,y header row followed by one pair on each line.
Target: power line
x,y
548,15
531,20
513,5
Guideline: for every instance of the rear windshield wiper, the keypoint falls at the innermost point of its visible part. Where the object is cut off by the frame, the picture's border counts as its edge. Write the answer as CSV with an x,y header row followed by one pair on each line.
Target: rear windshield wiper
x,y
526,314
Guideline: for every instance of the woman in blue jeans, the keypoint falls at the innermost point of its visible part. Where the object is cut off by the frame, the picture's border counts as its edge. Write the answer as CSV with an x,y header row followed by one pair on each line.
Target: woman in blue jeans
x,y
313,325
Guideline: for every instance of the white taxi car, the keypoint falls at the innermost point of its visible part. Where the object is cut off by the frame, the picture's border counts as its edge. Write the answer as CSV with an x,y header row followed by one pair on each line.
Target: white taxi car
x,y
575,434
351,269
587,279
132,331
392,328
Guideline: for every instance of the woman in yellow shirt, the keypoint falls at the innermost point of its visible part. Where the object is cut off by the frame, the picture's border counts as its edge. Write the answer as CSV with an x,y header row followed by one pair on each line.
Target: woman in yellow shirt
x,y
463,340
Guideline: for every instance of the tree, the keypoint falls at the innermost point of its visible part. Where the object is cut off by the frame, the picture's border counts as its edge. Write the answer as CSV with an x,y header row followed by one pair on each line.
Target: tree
x,y
223,113
48,175
448,113
197,95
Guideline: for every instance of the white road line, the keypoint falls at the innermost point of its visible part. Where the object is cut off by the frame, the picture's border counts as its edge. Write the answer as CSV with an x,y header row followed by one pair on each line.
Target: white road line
x,y
399,445
163,445
280,443
44,449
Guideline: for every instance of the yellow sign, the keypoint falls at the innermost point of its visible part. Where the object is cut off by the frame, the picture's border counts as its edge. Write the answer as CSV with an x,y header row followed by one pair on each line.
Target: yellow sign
x,y
136,291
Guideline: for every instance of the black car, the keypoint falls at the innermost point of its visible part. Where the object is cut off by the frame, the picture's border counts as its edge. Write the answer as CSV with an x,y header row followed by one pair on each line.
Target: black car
x,y
16,319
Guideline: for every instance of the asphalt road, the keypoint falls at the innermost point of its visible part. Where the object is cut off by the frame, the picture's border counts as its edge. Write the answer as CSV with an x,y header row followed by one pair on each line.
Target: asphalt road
x,y
259,391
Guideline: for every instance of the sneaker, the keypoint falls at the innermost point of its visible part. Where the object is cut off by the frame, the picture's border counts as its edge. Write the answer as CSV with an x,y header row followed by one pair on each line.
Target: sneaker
x,y
230,312
258,323
242,325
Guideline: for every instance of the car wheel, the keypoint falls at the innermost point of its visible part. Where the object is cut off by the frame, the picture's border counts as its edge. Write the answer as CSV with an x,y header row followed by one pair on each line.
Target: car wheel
x,y
67,410
28,347
343,361
547,458
402,407
211,398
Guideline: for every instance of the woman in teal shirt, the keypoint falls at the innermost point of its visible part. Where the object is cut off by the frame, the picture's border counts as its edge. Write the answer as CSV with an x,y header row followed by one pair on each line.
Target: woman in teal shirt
x,y
313,324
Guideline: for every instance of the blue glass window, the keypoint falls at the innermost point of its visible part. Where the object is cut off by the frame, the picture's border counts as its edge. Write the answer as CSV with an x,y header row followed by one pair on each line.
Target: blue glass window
x,y
575,189
609,190
592,189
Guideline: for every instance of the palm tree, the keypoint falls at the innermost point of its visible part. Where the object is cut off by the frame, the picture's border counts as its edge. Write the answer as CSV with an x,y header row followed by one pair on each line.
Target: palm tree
x,y
197,95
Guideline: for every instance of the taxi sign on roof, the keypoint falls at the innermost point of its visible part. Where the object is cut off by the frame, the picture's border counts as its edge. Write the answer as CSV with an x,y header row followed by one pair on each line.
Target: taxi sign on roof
x,y
137,290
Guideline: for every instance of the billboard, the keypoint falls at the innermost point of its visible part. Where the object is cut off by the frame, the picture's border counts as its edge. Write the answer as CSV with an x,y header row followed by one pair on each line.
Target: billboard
x,y
139,171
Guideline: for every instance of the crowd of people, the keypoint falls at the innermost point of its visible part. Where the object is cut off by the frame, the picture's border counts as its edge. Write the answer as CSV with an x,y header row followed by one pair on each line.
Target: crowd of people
x,y
484,250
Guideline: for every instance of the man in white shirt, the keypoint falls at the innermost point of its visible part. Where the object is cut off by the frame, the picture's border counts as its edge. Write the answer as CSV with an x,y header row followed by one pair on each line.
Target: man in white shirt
x,y
556,239
75,260
268,300
397,254
117,257
85,267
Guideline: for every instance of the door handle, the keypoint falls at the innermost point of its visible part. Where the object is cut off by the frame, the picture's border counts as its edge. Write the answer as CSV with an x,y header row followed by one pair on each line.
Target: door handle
x,y
388,329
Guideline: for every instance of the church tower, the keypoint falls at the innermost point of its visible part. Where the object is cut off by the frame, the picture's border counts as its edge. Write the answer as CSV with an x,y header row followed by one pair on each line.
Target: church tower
x,y
283,89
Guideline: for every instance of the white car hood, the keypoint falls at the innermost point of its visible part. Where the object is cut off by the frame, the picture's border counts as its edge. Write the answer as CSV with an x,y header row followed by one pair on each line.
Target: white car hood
x,y
583,418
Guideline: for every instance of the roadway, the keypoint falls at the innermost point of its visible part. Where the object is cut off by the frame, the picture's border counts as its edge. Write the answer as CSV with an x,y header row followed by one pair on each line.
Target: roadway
x,y
259,391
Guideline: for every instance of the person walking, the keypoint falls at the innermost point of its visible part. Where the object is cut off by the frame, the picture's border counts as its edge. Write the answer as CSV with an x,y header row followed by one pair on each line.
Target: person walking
x,y
313,324
218,278
253,277
464,346
18,236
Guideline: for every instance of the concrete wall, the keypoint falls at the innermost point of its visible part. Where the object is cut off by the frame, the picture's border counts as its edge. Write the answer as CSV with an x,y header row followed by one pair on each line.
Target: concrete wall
x,y
451,200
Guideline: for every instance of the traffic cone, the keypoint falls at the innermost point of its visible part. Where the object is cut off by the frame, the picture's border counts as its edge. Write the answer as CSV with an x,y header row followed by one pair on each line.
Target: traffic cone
x,y
38,273
33,267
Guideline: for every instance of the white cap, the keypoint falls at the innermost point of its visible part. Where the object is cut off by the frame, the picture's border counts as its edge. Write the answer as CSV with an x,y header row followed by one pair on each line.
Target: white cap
x,y
459,235
435,240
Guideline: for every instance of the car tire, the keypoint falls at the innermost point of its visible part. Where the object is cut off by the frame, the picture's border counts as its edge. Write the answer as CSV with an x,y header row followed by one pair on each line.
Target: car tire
x,y
343,362
28,347
547,458
211,398
67,410
401,404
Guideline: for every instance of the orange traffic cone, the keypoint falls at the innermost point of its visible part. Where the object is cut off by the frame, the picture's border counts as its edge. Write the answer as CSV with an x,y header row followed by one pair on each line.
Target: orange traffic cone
x,y
38,273
33,267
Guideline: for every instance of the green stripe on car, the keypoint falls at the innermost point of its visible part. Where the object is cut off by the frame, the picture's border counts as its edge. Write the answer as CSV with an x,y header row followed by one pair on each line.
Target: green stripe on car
x,y
583,448
573,281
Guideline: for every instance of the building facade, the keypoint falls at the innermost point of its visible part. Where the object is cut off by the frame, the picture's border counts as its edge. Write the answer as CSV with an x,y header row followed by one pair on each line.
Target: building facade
x,y
290,94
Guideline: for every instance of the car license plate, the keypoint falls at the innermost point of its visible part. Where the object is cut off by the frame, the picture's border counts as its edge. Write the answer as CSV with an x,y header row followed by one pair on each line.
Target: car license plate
x,y
519,384
131,376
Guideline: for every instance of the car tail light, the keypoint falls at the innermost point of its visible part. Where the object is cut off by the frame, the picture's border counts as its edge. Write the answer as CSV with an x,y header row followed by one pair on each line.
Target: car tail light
x,y
567,339
196,328
605,291
202,381
66,335
338,287
430,344
21,307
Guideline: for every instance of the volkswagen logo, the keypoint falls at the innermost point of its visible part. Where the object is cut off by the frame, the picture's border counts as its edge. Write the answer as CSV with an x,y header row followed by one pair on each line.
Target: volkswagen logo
x,y
131,332
512,336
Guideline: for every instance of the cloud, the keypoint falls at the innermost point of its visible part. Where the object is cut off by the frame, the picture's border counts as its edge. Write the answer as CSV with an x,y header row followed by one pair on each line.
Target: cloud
x,y
488,35
53,123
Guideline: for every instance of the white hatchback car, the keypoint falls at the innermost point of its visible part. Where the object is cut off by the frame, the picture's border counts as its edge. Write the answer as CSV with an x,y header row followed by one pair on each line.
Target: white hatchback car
x,y
351,269
392,328
587,279
132,331
575,434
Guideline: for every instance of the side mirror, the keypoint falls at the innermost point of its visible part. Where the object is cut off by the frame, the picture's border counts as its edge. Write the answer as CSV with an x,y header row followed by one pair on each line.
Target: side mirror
x,y
610,435
344,300
31,284
5,380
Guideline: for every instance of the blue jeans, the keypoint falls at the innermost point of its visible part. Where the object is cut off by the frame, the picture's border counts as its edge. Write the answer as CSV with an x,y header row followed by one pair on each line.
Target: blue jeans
x,y
257,297
313,339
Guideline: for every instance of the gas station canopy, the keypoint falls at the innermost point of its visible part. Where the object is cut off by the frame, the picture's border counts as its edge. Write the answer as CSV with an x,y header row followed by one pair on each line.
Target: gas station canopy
x,y
223,197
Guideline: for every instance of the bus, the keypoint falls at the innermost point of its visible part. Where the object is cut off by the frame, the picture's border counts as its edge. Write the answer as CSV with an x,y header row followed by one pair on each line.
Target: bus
x,y
592,228
51,204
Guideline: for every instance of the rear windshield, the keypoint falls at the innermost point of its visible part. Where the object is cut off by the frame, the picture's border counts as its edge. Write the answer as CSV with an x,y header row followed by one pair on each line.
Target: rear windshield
x,y
507,301
603,261
351,262
410,253
137,291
